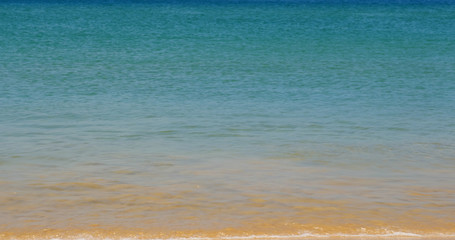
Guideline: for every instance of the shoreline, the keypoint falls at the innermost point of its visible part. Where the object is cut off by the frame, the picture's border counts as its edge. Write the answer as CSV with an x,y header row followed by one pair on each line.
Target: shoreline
x,y
116,234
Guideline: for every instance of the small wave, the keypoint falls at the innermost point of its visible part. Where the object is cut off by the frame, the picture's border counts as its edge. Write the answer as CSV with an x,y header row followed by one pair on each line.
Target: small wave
x,y
394,234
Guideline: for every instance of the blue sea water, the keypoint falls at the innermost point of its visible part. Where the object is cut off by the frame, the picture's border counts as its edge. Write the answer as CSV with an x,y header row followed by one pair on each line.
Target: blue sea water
x,y
275,98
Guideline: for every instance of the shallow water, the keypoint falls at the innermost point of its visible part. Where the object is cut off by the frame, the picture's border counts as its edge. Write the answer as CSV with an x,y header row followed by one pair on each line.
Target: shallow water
x,y
227,119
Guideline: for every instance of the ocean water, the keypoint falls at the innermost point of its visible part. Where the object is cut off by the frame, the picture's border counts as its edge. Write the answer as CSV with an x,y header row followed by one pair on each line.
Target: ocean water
x,y
227,119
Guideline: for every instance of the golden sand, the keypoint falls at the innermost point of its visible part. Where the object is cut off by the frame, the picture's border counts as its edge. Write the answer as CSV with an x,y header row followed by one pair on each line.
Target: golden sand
x,y
100,208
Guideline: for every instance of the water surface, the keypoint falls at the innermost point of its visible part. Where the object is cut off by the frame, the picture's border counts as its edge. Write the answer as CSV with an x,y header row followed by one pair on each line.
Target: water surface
x,y
226,119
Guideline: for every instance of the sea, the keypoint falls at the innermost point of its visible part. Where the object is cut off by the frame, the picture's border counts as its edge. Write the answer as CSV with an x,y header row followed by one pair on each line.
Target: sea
x,y
227,119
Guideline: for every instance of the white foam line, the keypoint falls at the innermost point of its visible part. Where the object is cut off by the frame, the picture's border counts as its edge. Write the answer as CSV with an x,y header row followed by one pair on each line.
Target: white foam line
x,y
302,235
309,235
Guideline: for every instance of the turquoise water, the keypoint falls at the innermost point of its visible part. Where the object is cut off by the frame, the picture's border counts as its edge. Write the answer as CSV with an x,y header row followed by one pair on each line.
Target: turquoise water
x,y
278,99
